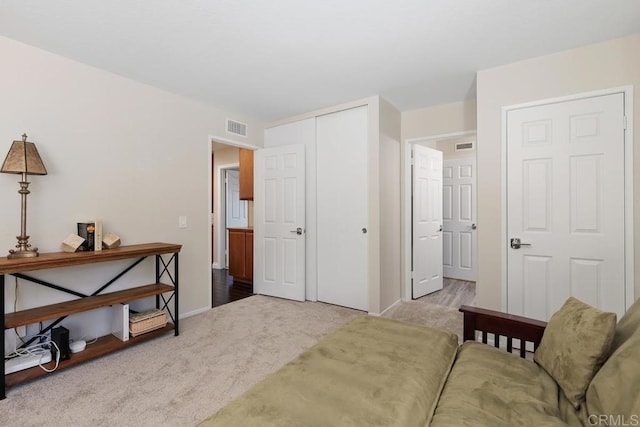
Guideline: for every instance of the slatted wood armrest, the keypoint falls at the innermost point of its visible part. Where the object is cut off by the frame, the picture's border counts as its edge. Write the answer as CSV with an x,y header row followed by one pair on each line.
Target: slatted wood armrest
x,y
502,325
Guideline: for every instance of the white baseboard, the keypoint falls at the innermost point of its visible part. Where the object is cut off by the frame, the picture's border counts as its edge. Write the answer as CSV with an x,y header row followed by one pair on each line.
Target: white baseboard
x,y
216,266
386,309
194,312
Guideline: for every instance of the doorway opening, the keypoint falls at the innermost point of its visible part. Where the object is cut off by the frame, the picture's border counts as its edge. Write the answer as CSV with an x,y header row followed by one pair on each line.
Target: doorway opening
x,y
444,216
228,212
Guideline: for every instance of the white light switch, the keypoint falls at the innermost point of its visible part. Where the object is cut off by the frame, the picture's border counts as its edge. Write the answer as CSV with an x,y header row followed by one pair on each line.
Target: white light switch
x,y
182,221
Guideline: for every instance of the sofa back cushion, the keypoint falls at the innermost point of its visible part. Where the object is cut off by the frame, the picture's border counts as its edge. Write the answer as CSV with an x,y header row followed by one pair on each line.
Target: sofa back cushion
x,y
615,389
627,326
575,344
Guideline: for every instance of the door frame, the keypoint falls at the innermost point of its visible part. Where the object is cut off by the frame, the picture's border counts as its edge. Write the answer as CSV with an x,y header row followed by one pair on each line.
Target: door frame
x,y
407,249
210,140
627,91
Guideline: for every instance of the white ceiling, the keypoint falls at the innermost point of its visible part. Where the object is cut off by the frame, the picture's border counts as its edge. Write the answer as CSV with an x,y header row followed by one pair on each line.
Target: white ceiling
x,y
271,59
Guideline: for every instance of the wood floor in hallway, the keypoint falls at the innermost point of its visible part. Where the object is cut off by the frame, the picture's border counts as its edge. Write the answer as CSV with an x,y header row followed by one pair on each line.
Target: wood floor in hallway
x,y
225,290
453,294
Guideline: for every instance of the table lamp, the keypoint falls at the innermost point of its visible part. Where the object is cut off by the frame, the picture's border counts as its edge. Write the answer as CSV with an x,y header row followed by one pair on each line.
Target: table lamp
x,y
23,158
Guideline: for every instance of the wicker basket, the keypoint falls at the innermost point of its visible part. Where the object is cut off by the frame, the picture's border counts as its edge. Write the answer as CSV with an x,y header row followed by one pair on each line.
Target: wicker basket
x,y
147,321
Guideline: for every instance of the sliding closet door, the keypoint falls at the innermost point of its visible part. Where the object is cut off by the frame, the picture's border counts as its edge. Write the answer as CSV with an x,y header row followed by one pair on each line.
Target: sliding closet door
x,y
342,208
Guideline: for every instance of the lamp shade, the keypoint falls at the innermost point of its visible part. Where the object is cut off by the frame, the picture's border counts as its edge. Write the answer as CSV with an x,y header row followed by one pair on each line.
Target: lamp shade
x,y
23,157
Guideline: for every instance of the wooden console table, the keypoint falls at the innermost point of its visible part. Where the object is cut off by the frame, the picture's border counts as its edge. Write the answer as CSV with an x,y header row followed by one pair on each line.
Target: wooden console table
x,y
98,299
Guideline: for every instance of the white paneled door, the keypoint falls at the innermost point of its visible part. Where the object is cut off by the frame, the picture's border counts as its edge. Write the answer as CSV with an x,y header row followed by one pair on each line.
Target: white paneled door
x,y
235,209
427,221
565,201
459,219
279,218
236,212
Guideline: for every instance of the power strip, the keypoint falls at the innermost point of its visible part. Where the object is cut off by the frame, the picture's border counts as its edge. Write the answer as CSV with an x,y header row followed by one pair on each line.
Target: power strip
x,y
24,362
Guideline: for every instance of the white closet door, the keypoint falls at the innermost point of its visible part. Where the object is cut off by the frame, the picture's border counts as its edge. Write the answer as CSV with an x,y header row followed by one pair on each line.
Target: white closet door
x,y
342,208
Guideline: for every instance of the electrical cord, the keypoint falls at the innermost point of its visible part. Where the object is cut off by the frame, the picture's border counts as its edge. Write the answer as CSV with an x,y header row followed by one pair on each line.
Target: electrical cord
x,y
15,308
38,350
89,342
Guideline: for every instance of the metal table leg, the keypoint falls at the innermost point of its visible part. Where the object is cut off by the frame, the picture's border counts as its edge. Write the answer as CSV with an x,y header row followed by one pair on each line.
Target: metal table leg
x,y
3,395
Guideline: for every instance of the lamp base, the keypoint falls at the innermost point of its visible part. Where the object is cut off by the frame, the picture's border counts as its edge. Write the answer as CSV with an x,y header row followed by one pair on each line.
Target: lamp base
x,y
28,253
23,249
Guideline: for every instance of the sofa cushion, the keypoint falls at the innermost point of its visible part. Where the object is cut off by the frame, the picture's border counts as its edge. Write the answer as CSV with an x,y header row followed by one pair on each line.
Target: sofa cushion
x,y
490,387
575,343
627,326
372,371
615,388
570,415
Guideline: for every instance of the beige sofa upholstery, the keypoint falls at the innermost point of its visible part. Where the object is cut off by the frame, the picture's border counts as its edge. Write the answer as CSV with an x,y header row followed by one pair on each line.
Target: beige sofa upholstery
x,y
379,372
488,386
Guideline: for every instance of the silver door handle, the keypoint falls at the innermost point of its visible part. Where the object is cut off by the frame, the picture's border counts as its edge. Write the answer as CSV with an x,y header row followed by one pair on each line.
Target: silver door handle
x,y
516,243
473,226
440,228
298,231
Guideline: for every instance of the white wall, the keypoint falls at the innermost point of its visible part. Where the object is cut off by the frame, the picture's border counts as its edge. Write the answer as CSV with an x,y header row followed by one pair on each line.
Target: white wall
x,y
599,66
390,231
448,148
134,156
438,120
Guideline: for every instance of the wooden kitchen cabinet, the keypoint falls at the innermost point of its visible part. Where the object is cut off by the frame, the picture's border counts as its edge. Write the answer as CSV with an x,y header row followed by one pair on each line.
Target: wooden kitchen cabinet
x,y
246,174
241,254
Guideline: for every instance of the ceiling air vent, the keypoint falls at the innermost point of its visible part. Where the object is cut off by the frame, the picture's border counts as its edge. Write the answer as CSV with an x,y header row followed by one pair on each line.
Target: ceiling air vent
x,y
236,128
463,146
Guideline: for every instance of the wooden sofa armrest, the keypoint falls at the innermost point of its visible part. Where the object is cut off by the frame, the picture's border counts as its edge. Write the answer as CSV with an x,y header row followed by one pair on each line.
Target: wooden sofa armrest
x,y
502,325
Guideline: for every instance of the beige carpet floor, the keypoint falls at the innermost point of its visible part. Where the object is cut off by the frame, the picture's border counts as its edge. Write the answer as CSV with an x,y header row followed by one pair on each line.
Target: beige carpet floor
x,y
179,381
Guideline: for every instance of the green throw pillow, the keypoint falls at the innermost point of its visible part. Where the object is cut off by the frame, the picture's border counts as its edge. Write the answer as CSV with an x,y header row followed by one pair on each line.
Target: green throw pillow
x,y
614,389
575,343
627,326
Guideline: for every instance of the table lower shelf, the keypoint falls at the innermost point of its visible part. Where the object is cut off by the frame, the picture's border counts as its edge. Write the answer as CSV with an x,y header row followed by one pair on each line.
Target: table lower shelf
x,y
104,345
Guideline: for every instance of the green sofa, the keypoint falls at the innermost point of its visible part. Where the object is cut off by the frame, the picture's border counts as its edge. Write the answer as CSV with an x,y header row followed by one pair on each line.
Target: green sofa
x,y
379,372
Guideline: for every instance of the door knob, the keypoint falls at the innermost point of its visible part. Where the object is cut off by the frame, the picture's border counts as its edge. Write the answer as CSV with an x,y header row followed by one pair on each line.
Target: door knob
x,y
298,231
440,228
473,226
364,230
516,243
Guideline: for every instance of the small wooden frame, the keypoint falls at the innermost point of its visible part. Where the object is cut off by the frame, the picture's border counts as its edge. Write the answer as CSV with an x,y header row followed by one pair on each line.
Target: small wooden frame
x,y
502,325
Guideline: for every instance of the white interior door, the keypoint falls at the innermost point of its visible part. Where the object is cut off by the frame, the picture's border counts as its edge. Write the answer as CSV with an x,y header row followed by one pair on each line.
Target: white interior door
x,y
279,222
236,209
459,219
342,207
565,201
427,220
303,132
